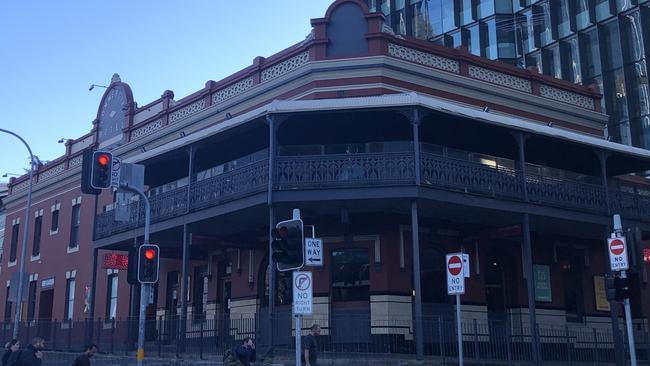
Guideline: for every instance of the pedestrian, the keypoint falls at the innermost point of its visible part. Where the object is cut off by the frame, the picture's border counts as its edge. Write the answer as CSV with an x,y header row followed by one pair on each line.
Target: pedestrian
x,y
84,358
245,352
32,354
310,346
12,351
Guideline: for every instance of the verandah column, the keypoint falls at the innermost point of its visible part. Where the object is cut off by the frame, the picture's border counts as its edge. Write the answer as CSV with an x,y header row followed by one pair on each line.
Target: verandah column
x,y
415,231
528,251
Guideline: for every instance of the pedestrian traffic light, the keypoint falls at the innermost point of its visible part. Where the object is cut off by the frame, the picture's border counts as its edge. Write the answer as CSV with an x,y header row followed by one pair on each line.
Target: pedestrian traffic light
x,y
288,245
617,288
148,263
101,169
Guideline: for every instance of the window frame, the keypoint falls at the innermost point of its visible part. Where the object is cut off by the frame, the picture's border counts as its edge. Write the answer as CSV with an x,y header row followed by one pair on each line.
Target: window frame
x,y
13,249
68,310
111,281
31,300
54,225
74,226
38,232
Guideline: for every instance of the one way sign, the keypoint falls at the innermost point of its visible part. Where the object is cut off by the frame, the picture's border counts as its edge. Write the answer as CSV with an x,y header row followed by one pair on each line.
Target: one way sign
x,y
314,252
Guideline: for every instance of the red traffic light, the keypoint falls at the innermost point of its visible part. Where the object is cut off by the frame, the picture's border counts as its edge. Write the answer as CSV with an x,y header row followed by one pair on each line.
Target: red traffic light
x,y
284,231
103,159
646,255
150,254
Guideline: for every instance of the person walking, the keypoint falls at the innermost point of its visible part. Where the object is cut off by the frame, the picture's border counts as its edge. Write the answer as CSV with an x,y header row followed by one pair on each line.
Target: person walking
x,y
310,346
32,354
245,352
11,353
84,358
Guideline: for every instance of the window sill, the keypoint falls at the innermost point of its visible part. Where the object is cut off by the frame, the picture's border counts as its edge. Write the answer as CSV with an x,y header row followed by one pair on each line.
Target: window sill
x,y
73,249
35,258
11,264
108,324
66,324
54,232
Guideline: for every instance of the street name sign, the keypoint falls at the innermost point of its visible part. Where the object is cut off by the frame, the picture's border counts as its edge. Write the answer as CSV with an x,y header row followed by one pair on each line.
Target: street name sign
x,y
314,252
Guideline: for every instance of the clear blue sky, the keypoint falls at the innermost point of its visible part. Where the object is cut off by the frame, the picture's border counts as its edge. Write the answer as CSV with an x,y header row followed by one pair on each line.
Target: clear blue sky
x,y
52,51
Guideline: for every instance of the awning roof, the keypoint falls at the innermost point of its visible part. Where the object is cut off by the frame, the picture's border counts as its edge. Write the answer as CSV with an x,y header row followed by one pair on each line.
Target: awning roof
x,y
397,100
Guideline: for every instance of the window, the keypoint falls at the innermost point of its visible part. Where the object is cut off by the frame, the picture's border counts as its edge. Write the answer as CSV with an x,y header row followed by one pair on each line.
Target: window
x,y
433,274
551,62
528,31
571,60
74,227
14,243
561,18
200,292
542,24
589,54
36,248
31,301
465,12
111,297
8,311
427,20
484,8
350,275
69,298
603,9
55,221
582,14
472,39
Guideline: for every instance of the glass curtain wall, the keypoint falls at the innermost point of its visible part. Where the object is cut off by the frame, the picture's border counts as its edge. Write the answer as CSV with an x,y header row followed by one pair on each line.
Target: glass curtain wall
x,y
601,42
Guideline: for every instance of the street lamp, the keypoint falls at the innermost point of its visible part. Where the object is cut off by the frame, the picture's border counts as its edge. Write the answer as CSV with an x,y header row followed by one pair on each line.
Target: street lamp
x,y
21,276
5,175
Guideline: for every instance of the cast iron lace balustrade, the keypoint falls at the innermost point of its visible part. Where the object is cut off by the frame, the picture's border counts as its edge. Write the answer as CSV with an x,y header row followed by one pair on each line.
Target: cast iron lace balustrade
x,y
469,177
376,170
344,170
566,193
229,186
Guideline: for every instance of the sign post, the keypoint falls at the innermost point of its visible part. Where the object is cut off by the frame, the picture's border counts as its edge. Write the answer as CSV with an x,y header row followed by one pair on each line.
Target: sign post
x,y
456,286
302,299
619,263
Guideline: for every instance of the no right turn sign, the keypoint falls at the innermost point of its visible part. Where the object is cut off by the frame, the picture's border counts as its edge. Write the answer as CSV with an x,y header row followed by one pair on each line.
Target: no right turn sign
x,y
455,275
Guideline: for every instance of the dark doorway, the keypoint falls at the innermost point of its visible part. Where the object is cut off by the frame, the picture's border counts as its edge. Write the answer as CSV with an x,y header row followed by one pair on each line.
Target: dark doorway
x,y
436,306
45,308
572,266
350,311
171,304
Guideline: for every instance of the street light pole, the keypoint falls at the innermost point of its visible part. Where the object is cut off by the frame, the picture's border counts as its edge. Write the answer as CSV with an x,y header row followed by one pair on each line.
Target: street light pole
x,y
21,276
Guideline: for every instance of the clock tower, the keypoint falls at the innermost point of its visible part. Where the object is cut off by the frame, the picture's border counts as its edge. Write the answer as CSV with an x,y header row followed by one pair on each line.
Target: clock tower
x,y
115,112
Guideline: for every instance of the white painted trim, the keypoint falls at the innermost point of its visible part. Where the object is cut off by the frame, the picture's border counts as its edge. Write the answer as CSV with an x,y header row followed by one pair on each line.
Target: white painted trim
x,y
72,250
11,264
394,100
35,258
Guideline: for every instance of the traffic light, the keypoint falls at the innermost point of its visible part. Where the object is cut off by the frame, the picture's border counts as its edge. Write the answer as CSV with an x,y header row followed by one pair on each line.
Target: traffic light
x,y
288,245
148,263
86,172
617,288
102,164
132,271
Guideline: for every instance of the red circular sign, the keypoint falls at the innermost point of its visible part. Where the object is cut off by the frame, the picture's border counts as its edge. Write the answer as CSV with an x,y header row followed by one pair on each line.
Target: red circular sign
x,y
455,265
617,247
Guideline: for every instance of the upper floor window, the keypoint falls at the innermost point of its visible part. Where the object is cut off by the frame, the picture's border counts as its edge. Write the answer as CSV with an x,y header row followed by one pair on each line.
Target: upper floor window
x,y
36,248
55,221
74,226
13,250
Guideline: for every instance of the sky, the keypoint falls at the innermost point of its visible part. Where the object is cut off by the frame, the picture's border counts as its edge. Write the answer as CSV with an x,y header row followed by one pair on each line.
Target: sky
x,y
52,51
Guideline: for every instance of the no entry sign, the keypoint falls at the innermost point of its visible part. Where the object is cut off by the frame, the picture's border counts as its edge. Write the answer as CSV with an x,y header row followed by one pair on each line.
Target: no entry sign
x,y
617,254
455,275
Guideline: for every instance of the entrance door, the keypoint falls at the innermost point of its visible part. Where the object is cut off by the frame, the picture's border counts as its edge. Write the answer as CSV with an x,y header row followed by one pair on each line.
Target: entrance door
x,y
173,293
45,313
350,296
496,294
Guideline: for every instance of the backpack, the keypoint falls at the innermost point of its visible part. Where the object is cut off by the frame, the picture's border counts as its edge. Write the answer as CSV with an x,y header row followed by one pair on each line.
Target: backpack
x,y
230,359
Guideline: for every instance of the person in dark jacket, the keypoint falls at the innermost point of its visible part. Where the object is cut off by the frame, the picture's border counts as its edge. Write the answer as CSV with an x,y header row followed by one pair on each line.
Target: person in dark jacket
x,y
84,359
32,354
245,352
11,354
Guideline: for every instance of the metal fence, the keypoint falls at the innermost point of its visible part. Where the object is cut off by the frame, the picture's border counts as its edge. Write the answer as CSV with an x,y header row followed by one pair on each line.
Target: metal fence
x,y
350,335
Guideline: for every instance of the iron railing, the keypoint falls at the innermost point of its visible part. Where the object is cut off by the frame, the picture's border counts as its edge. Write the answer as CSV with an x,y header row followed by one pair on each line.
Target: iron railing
x,y
348,335
380,170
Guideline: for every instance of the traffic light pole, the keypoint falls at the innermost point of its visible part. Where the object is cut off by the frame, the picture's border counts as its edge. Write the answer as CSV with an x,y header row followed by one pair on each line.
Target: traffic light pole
x,y
618,230
628,324
144,288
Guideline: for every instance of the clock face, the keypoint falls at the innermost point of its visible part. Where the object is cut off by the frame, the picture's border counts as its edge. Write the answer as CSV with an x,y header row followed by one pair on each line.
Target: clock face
x,y
112,117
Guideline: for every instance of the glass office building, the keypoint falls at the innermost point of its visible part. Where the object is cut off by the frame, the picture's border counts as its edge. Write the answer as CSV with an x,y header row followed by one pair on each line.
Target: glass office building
x,y
603,42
